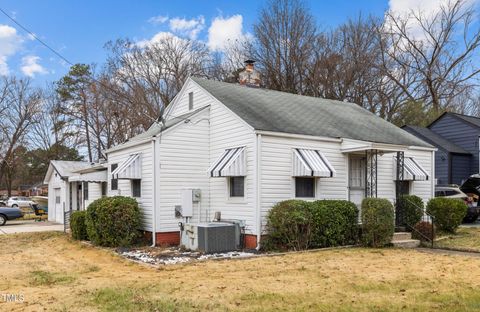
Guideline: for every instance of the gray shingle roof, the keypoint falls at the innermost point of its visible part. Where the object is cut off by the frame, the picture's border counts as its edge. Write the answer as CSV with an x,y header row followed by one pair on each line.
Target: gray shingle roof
x,y
470,119
435,139
66,168
277,111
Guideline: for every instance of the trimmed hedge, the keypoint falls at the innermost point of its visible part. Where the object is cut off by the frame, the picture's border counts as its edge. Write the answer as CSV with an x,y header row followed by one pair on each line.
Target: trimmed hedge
x,y
377,222
113,221
300,225
77,225
413,207
448,213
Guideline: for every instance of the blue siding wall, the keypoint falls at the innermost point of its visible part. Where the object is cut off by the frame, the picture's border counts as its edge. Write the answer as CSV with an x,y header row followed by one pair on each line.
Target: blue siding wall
x,y
441,166
460,133
460,168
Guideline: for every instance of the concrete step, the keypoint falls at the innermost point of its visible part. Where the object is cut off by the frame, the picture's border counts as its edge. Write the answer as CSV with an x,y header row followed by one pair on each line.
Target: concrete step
x,y
398,236
406,243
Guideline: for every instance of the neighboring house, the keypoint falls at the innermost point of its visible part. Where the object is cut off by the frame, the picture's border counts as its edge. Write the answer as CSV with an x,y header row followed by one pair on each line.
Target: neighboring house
x,y
457,138
73,185
238,151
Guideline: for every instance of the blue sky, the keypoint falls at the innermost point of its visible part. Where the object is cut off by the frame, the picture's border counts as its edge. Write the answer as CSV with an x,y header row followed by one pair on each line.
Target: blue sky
x,y
79,29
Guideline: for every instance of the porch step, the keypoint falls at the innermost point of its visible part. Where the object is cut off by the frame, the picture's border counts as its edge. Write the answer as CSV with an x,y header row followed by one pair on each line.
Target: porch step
x,y
406,243
400,236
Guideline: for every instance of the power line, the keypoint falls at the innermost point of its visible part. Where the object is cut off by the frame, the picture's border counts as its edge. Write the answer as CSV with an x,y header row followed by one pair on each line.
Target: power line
x,y
60,55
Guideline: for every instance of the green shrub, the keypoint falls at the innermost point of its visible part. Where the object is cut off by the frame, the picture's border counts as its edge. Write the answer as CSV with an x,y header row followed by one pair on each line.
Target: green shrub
x,y
448,213
413,209
113,221
299,225
77,225
377,222
335,223
423,231
289,226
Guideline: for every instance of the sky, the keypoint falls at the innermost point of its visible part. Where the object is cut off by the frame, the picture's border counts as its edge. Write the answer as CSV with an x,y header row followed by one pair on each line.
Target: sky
x,y
78,30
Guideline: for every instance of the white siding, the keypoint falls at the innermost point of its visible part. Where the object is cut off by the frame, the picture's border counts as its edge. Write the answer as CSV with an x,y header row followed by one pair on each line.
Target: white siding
x,y
56,182
124,186
94,193
276,181
183,163
180,105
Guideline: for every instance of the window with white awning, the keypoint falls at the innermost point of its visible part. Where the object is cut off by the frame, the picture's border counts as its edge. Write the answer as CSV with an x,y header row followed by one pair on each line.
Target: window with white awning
x,y
130,169
412,170
311,163
231,163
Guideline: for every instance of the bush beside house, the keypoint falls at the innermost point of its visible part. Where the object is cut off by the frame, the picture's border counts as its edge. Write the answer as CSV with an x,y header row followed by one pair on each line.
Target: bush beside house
x,y
448,213
77,225
413,207
299,225
377,222
113,221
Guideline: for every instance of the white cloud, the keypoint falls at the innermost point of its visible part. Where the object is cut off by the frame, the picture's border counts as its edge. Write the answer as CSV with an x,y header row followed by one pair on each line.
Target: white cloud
x,y
156,38
30,66
190,28
10,43
225,30
156,20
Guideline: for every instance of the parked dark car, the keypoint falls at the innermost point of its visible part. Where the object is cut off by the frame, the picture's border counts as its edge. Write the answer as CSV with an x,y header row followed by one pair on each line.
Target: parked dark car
x,y
8,213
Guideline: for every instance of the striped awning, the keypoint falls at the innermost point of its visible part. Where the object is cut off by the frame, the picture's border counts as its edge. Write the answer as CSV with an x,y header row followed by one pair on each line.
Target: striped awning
x,y
130,169
231,163
311,163
412,170
95,176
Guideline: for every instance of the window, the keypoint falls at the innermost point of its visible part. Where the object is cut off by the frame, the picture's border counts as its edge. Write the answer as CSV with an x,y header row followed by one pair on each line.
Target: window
x,y
190,101
237,186
137,188
57,199
104,188
85,190
305,187
114,182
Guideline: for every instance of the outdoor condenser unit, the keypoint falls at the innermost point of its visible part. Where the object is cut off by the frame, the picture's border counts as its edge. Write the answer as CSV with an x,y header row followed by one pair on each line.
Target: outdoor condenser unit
x,y
211,237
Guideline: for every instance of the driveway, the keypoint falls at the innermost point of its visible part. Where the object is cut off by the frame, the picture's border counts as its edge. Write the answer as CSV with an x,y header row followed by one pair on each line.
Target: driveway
x,y
475,224
25,226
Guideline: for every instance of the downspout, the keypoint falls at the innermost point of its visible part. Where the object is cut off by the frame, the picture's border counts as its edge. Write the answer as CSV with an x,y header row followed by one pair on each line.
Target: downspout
x,y
432,194
154,198
258,163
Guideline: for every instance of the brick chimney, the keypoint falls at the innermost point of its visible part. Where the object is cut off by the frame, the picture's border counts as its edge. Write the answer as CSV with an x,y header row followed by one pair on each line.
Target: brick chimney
x,y
249,76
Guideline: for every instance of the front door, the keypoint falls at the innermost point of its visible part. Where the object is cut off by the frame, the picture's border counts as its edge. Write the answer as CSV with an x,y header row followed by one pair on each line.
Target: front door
x,y
356,180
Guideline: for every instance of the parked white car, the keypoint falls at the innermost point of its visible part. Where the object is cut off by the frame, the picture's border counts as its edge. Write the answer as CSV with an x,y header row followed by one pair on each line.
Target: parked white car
x,y
19,201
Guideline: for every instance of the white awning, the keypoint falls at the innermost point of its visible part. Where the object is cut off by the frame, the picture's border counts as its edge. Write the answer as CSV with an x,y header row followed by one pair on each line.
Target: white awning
x,y
311,163
412,170
95,176
230,164
130,169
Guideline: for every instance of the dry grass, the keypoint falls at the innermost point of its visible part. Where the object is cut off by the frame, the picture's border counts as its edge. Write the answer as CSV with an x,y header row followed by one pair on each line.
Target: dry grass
x,y
464,239
57,274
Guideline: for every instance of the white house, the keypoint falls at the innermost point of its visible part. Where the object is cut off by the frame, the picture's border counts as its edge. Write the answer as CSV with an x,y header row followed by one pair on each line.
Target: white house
x,y
73,185
243,149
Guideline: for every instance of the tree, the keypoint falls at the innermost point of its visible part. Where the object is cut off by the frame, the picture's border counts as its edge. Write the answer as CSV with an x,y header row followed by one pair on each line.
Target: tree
x,y
285,34
439,65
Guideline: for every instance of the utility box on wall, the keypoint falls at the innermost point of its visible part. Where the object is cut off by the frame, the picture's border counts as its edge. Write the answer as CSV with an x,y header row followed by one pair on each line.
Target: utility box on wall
x,y
189,196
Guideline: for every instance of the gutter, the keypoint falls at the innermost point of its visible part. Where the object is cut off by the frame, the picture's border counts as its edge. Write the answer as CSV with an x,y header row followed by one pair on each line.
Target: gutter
x,y
129,144
258,162
154,198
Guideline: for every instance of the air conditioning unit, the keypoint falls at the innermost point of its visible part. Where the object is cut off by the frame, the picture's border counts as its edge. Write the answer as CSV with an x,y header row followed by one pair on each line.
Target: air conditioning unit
x,y
211,237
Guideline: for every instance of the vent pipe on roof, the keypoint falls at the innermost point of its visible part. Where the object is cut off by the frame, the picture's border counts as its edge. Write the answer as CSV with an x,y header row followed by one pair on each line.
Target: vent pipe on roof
x,y
249,76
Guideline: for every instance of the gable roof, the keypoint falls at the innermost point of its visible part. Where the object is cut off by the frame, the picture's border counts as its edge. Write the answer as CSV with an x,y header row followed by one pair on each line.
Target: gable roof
x,y
471,120
277,111
66,168
155,129
435,139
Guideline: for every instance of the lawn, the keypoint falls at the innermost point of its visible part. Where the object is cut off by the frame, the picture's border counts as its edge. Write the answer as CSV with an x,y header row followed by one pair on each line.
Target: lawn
x,y
54,273
466,238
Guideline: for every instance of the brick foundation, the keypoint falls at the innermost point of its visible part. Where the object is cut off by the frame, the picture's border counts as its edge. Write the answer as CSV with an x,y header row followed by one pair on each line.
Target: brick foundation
x,y
165,238
250,241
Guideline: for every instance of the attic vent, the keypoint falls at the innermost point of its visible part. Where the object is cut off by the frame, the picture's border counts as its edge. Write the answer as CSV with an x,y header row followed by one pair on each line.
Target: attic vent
x,y
249,77
190,101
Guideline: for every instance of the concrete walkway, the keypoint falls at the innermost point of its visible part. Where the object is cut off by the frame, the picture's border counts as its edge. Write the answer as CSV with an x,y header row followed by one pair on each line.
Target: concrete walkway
x,y
27,226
